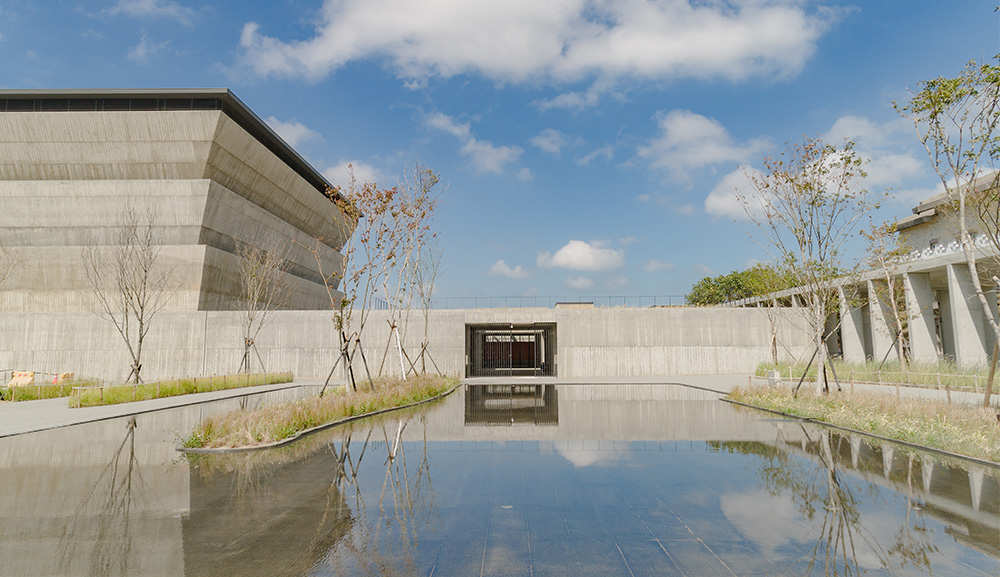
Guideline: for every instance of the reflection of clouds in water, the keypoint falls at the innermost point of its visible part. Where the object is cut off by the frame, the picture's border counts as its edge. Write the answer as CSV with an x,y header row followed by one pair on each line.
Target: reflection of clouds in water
x,y
587,453
774,522
770,522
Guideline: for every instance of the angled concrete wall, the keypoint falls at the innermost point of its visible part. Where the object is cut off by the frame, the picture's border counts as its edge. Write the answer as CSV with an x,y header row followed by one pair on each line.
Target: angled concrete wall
x,y
65,176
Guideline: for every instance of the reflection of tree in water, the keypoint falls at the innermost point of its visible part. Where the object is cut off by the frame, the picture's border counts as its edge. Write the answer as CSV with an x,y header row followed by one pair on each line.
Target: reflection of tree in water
x,y
913,543
115,493
292,510
823,490
384,540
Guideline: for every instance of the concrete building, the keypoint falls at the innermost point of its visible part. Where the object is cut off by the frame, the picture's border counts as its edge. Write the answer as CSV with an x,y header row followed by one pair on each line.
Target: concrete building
x,y
208,170
943,316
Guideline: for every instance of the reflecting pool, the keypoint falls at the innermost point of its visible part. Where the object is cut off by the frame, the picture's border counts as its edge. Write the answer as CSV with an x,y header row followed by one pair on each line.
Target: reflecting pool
x,y
498,480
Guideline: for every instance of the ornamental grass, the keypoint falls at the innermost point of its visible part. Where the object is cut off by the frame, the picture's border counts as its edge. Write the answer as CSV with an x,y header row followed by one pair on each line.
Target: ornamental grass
x,y
116,394
940,374
249,428
967,430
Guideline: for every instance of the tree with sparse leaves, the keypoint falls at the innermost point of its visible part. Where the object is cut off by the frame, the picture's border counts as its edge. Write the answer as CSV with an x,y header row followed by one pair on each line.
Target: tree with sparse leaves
x,y
957,120
806,204
885,248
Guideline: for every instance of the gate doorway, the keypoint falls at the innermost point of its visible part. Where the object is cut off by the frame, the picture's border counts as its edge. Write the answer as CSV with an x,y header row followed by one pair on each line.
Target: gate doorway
x,y
509,350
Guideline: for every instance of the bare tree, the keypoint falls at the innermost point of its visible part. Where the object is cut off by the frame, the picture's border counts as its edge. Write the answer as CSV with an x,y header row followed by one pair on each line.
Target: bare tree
x,y
885,247
425,274
9,261
958,122
130,284
806,204
263,290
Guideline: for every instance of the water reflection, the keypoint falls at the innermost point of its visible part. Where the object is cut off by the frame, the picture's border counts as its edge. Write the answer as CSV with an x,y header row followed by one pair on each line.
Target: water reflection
x,y
628,480
507,405
826,490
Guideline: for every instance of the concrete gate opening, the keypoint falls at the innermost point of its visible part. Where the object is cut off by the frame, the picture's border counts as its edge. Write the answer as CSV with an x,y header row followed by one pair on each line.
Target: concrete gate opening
x,y
507,349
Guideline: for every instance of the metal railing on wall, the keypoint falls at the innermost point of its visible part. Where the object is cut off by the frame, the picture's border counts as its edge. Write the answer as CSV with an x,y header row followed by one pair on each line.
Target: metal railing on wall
x,y
605,301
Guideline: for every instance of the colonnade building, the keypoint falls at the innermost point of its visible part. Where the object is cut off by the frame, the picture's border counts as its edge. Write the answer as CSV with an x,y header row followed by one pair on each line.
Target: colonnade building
x,y
943,317
198,165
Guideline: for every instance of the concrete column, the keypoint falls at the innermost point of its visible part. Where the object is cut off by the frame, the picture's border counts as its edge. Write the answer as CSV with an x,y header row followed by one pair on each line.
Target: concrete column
x,y
966,316
851,327
882,336
920,308
947,333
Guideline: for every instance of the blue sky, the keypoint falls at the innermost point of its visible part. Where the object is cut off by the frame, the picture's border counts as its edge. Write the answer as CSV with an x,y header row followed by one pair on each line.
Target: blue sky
x,y
586,147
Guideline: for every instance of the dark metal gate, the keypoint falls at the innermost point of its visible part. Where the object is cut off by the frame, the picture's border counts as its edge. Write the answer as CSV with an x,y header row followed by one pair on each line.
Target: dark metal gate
x,y
507,350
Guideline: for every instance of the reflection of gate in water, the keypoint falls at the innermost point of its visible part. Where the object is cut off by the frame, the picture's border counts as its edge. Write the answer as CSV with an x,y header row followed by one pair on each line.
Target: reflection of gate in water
x,y
505,349
511,404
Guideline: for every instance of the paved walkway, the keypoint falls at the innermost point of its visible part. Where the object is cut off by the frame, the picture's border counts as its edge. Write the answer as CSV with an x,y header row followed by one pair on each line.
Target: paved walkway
x,y
31,416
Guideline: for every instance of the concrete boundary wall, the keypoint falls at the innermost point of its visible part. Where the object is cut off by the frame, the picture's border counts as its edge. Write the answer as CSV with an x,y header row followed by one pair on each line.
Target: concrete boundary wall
x,y
602,342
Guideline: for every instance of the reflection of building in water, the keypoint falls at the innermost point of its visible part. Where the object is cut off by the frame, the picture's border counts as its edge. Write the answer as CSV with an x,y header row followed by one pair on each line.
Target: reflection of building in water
x,y
510,350
264,519
511,404
964,498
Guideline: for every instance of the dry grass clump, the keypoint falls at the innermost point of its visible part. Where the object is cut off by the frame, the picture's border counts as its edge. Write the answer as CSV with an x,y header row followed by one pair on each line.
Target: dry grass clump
x,y
113,395
963,429
277,422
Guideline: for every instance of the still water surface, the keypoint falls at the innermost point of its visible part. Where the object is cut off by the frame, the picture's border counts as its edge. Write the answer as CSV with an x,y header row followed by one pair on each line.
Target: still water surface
x,y
575,480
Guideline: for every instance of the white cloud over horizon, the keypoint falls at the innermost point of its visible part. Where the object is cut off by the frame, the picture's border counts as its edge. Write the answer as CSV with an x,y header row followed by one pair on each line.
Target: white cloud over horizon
x,y
146,50
154,9
580,255
559,41
688,140
484,157
579,282
501,269
340,173
292,131
653,266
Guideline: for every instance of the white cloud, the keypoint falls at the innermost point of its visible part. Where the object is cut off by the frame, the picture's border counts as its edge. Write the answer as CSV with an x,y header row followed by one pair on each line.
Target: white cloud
x,y
559,41
146,50
340,173
688,140
607,152
654,265
484,156
725,199
154,9
292,132
579,282
576,101
550,140
580,255
500,268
